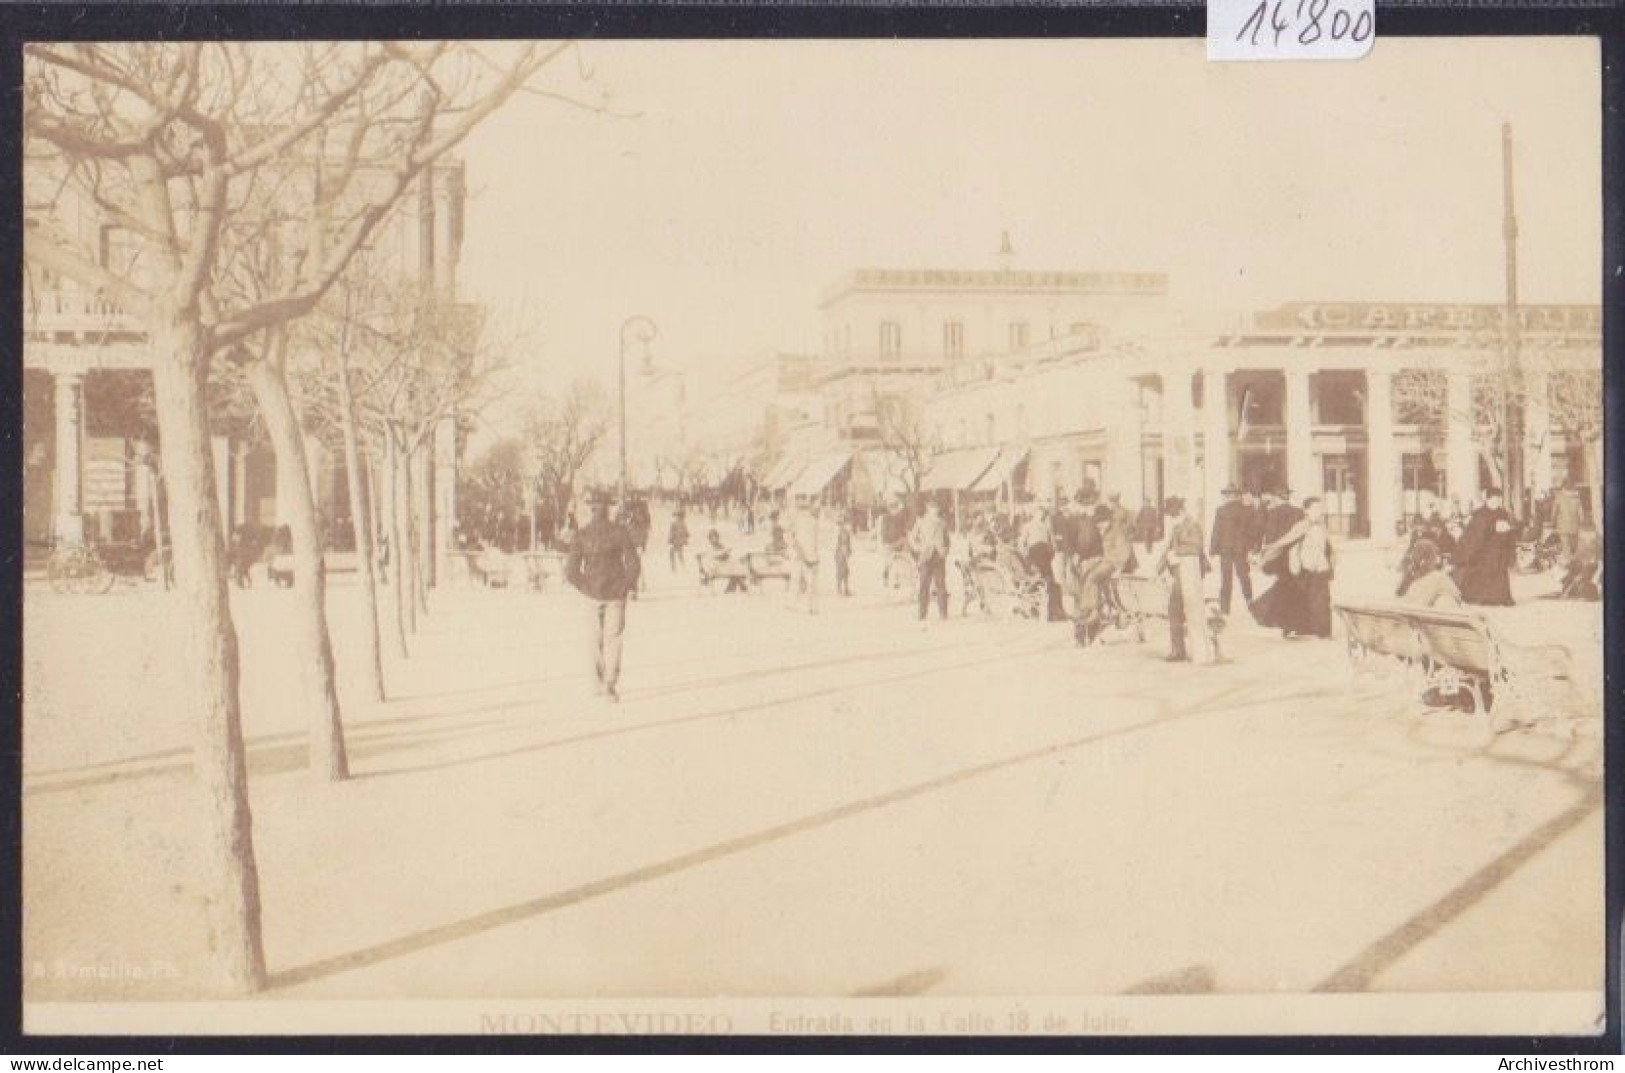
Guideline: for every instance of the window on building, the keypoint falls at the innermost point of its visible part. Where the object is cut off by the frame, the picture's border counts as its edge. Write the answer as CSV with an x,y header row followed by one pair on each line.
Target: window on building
x,y
1260,400
953,338
1020,334
1339,398
1419,397
1420,480
891,339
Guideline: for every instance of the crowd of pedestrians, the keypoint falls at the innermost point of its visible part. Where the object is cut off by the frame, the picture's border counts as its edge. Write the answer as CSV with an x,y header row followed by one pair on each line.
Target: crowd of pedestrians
x,y
1278,556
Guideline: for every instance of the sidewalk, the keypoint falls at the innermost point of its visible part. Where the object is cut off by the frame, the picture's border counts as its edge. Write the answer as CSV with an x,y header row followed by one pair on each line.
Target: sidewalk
x,y
804,804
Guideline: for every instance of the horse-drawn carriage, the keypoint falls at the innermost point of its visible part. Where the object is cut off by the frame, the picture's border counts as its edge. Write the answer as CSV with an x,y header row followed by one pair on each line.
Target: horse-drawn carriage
x,y
97,567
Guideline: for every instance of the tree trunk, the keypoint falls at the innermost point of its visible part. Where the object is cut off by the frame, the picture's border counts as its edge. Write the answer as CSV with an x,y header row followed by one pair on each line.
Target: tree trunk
x,y
361,526
312,642
160,539
386,534
405,570
423,521
209,654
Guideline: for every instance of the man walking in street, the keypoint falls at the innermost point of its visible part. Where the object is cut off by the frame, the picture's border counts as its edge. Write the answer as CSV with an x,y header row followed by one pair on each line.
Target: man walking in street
x,y
677,540
843,556
1234,538
1568,518
602,565
1182,559
928,541
804,555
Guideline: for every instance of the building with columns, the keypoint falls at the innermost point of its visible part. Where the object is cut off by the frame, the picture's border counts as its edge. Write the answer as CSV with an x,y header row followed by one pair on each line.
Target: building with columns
x,y
88,429
1374,407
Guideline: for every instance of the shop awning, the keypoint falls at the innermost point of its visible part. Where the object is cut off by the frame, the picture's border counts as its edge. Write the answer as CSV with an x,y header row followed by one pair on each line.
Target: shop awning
x,y
957,471
780,476
1001,471
820,472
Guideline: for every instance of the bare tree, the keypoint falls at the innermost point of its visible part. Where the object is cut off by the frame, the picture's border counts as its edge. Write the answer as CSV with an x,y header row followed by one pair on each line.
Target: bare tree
x,y
910,447
337,357
1422,397
767,448
561,435
168,142
1571,394
1575,401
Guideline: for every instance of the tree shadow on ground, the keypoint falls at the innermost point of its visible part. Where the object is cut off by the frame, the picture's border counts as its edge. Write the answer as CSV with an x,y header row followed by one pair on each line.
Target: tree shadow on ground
x,y
1191,980
1359,972
266,760
914,983
491,920
754,706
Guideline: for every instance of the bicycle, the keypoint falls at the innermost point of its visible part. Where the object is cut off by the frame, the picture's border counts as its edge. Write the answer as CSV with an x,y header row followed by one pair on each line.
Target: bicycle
x,y
77,569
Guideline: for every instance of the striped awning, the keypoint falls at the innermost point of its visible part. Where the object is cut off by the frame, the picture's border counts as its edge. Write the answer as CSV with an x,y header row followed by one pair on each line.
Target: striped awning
x,y
958,471
1001,471
819,473
781,475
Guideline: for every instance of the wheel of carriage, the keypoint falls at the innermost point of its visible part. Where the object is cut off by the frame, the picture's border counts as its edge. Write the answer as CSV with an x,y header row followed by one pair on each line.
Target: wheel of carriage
x,y
97,578
58,573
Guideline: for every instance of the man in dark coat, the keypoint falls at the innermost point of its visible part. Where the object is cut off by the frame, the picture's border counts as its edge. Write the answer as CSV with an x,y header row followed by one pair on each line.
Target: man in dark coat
x,y
1568,517
1148,526
1235,537
603,566
1485,553
1279,518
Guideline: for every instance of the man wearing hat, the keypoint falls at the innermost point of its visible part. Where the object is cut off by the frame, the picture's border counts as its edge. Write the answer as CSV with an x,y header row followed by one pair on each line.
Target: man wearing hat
x,y
1183,560
1235,536
1279,518
603,566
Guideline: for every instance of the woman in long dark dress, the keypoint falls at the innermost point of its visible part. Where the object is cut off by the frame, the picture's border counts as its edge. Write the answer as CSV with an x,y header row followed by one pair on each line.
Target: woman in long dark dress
x,y
1485,553
1299,603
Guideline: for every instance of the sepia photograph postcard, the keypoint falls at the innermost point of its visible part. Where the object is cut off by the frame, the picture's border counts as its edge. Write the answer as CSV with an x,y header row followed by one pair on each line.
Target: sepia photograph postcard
x,y
1002,537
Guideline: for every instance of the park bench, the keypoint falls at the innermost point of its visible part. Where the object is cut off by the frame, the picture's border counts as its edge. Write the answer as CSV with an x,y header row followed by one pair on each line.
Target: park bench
x,y
1004,591
490,568
1451,652
763,565
734,573
1382,641
1134,599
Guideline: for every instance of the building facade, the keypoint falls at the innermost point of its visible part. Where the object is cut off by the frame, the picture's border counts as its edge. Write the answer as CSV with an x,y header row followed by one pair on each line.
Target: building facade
x,y
89,433
1374,407
892,336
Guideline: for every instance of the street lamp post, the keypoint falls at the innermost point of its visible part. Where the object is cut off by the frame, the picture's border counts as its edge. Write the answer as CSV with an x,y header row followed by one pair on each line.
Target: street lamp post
x,y
642,329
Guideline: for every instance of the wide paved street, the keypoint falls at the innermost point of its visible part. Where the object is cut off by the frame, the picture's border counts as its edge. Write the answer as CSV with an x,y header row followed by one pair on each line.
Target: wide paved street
x,y
789,804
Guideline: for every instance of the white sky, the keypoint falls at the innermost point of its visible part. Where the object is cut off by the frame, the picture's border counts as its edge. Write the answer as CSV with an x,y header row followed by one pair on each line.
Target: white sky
x,y
758,172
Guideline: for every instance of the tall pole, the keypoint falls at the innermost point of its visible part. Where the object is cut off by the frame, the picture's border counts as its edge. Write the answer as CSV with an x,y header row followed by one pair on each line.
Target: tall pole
x,y
1512,381
642,329
622,496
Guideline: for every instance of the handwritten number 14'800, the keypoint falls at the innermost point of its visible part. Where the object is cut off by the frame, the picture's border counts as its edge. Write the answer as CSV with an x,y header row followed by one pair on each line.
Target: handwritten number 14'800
x,y
1267,16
